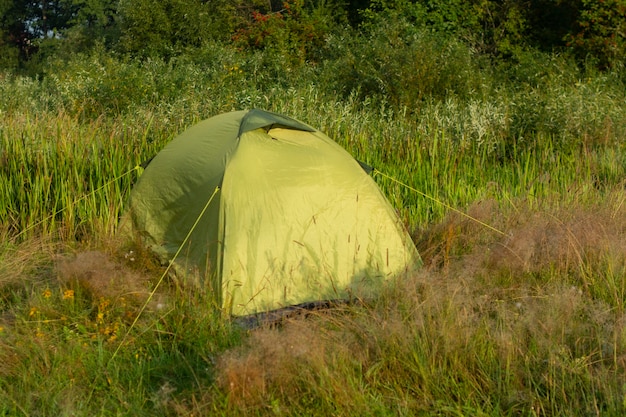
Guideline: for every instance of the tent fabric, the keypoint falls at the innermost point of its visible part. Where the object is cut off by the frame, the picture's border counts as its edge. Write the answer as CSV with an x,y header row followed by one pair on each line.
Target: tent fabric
x,y
295,218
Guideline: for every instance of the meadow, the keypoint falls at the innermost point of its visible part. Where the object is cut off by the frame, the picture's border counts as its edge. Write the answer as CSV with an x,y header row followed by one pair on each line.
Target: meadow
x,y
510,179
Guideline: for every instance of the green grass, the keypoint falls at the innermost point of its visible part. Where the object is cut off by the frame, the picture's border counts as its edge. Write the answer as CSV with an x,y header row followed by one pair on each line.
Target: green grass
x,y
526,319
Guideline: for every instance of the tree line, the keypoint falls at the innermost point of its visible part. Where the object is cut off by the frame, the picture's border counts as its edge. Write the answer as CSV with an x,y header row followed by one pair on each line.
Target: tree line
x,y
31,31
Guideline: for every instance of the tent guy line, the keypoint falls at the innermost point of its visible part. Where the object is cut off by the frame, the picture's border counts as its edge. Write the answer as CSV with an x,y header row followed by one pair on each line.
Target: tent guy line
x,y
169,266
119,177
382,174
374,171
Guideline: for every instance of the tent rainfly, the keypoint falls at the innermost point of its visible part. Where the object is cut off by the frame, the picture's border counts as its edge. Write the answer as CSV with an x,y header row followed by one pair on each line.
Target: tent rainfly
x,y
291,216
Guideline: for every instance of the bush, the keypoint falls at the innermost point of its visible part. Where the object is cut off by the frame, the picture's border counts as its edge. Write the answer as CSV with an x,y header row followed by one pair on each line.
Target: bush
x,y
601,32
295,33
207,80
163,29
402,65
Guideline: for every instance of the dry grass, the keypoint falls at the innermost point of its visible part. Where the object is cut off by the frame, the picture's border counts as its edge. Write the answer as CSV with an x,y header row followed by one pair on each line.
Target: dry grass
x,y
496,323
101,277
529,322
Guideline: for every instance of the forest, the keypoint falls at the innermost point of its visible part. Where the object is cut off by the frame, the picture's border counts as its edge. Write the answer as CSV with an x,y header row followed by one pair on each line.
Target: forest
x,y
32,32
497,129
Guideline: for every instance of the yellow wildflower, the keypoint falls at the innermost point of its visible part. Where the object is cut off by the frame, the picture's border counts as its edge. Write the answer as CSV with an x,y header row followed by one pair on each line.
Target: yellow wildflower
x,y
47,293
32,312
68,294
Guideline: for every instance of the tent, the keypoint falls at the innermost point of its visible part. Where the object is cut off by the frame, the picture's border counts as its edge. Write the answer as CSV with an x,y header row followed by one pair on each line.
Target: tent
x,y
279,214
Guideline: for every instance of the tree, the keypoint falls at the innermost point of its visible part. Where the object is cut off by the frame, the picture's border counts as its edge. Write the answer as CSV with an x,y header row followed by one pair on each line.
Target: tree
x,y
551,21
600,32
48,18
39,28
93,21
295,31
163,27
15,42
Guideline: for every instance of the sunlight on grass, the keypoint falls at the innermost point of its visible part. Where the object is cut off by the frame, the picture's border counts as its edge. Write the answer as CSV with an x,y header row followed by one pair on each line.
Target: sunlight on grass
x,y
523,318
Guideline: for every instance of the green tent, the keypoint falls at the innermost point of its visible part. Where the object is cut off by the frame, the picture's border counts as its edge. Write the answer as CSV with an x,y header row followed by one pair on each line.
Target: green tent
x,y
291,216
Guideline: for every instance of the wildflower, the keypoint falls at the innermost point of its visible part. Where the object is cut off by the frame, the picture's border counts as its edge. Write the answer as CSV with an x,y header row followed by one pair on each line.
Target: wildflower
x,y
68,294
47,293
32,312
104,303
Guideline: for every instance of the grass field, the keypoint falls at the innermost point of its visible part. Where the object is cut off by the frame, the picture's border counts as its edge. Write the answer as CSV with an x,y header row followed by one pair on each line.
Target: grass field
x,y
515,200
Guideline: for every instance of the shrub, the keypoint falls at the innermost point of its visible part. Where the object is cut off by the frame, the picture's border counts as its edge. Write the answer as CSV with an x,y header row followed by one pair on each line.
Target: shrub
x,y
163,29
295,33
402,65
601,32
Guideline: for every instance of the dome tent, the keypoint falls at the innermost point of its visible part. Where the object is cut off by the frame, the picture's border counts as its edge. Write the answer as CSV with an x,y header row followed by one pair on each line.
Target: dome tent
x,y
291,216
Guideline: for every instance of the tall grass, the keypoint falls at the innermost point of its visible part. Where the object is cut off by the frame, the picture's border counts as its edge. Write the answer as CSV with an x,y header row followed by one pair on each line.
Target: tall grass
x,y
478,334
61,175
528,321
59,171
